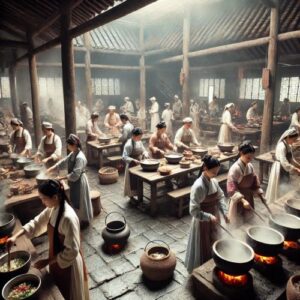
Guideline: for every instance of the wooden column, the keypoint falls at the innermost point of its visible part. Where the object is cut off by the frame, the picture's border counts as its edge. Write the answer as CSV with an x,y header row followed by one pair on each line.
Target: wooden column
x,y
87,71
142,74
34,84
68,74
13,92
185,62
266,133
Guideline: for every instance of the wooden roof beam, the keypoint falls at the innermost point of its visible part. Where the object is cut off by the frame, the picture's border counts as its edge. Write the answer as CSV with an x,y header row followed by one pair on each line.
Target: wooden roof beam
x,y
12,31
12,44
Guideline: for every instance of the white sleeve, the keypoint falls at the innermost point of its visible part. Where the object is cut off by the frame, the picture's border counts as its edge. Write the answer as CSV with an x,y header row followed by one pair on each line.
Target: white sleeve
x,y
40,150
227,119
28,145
106,121
63,162
178,137
295,119
281,155
77,170
198,194
58,148
89,128
126,153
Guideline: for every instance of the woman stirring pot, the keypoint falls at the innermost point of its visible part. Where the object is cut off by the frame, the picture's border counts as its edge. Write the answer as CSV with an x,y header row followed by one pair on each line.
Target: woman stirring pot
x,y
207,200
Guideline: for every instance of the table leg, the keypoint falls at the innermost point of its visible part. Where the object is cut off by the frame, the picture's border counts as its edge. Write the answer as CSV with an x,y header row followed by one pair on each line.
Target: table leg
x,y
140,190
261,172
153,201
100,159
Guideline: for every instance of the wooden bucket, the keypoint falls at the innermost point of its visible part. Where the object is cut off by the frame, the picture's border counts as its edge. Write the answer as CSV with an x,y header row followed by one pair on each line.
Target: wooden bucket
x,y
96,202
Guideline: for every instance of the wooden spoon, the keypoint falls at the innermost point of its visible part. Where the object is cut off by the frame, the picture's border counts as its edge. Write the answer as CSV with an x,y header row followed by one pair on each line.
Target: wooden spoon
x,y
8,258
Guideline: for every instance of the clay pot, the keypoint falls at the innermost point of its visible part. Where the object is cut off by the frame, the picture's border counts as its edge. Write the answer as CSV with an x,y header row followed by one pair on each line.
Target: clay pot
x,y
293,288
115,232
108,175
158,262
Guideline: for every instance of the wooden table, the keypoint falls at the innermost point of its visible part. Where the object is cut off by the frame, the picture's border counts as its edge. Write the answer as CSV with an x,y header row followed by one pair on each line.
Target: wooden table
x,y
265,162
153,178
99,148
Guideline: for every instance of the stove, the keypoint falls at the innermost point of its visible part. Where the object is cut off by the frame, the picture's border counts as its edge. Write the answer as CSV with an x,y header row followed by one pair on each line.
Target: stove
x,y
291,249
233,286
3,240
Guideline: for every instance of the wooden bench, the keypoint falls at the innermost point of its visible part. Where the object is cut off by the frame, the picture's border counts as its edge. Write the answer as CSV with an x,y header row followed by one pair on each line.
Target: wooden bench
x,y
182,196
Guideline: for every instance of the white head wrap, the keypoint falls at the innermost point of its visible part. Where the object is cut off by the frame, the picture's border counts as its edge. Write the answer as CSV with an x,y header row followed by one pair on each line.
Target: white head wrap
x,y
111,107
126,99
152,99
228,105
187,120
47,125
289,132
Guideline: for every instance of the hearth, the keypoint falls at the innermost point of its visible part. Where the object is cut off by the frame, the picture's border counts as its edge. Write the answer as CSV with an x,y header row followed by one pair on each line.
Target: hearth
x,y
291,249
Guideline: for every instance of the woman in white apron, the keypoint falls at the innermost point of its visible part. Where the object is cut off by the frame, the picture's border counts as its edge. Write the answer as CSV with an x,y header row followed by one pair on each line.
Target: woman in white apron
x,y
225,134
206,203
154,113
295,121
65,261
242,185
134,151
195,115
282,167
112,121
167,117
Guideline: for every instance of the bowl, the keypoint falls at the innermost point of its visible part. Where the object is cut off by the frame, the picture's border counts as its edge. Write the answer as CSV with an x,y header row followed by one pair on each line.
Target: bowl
x,y
199,151
292,206
33,170
7,224
164,171
228,147
150,165
173,158
104,139
185,164
23,161
30,278
24,255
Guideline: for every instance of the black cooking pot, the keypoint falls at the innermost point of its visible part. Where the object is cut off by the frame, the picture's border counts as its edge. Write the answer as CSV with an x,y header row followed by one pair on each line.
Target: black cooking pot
x,y
7,224
233,256
173,158
150,165
287,224
33,170
23,161
292,206
115,232
264,240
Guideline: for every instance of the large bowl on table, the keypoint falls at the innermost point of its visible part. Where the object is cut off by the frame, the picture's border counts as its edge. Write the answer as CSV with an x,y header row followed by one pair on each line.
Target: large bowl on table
x,y
226,147
27,278
21,269
150,165
173,158
104,139
199,151
23,161
33,170
7,224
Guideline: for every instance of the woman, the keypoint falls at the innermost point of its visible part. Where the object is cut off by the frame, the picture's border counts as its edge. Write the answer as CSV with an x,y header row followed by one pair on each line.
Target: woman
x,y
242,184
133,152
195,115
77,180
20,139
59,220
252,115
282,167
154,113
126,129
225,134
92,129
159,142
167,117
213,108
112,121
207,200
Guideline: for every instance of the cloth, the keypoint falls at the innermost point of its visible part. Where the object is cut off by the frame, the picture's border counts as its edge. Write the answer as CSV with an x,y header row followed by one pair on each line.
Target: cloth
x,y
242,182
167,117
128,108
225,134
251,114
45,141
20,140
177,109
92,130
295,122
79,186
126,132
195,115
70,256
132,150
154,113
157,143
184,137
114,121
207,198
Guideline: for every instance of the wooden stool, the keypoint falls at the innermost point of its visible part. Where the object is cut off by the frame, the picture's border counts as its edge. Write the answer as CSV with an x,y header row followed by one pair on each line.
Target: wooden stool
x,y
95,197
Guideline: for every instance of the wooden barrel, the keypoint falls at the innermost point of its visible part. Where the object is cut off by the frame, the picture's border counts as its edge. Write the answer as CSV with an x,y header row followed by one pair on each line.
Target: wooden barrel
x,y
96,202
108,175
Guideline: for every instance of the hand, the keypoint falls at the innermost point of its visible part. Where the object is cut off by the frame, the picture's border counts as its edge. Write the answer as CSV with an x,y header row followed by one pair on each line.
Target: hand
x,y
40,264
50,170
45,160
162,152
298,171
227,220
10,242
136,161
213,219
246,204
37,159
235,130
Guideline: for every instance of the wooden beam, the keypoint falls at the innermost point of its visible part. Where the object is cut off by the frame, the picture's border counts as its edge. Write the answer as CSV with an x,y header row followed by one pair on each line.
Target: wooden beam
x,y
54,17
34,84
12,31
267,123
68,73
142,74
13,92
12,44
158,51
185,62
87,72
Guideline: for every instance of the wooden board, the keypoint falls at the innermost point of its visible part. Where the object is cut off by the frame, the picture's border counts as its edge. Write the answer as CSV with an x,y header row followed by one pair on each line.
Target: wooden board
x,y
265,157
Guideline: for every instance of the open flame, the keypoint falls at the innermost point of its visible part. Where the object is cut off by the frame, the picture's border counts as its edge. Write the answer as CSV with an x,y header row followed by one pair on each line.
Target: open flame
x,y
268,260
115,247
232,280
3,240
291,244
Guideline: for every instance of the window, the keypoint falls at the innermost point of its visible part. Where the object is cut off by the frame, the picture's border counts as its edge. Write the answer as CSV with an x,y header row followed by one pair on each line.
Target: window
x,y
106,86
51,87
251,88
215,84
290,89
4,87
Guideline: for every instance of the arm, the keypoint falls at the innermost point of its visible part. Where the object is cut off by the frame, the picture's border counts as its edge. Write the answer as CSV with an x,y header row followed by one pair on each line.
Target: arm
x,y
152,142
106,121
222,204
40,152
178,136
169,145
281,155
232,184
194,139
58,148
77,170
28,140
62,163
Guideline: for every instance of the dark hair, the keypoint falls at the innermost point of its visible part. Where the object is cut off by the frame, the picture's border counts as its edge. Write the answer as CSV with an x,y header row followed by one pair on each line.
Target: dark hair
x,y
124,117
94,115
210,162
246,147
51,188
74,140
137,131
286,100
161,125
293,135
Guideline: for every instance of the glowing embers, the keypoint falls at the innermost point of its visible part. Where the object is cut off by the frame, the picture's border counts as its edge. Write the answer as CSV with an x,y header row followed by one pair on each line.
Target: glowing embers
x,y
233,280
291,245
3,243
268,260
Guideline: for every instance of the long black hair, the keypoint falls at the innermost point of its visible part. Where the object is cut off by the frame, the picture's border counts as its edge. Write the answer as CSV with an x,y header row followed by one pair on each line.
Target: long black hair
x,y
135,132
51,188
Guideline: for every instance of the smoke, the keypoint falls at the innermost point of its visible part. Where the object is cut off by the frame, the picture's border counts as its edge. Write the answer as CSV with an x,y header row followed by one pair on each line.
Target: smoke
x,y
3,193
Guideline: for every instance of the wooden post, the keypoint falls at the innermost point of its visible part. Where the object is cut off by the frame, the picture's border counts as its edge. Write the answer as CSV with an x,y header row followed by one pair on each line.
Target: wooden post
x,y
266,133
13,92
142,75
68,74
34,83
185,63
87,71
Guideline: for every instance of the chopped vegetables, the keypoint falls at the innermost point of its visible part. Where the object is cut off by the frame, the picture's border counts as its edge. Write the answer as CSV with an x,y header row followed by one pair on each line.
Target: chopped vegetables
x,y
22,291
15,263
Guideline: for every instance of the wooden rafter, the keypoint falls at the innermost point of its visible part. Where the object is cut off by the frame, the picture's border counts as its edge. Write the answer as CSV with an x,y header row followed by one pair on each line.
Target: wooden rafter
x,y
12,44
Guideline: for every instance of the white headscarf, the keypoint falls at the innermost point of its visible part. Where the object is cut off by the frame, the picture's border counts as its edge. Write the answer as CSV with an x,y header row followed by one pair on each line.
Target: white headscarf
x,y
290,132
228,105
